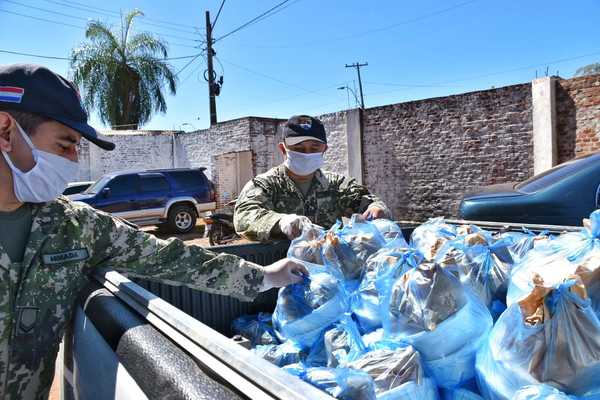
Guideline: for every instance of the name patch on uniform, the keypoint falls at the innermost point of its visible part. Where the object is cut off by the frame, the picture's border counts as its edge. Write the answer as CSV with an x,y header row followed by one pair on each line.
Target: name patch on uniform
x,y
65,256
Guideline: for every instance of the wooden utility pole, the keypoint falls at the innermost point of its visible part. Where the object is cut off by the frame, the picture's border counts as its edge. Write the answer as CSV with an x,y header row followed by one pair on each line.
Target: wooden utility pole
x,y
211,73
357,66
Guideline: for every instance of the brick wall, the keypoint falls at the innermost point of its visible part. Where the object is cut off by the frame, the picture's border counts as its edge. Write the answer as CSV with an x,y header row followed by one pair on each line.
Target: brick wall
x,y
422,156
578,116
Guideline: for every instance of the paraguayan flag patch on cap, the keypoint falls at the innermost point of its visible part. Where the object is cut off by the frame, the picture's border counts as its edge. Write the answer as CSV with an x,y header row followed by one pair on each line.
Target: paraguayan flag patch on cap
x,y
11,94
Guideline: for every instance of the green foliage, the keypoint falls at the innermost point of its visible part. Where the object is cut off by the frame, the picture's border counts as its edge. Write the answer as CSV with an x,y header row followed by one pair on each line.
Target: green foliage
x,y
588,70
121,74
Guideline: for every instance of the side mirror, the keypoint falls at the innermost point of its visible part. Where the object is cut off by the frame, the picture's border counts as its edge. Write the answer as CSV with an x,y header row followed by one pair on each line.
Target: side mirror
x,y
106,192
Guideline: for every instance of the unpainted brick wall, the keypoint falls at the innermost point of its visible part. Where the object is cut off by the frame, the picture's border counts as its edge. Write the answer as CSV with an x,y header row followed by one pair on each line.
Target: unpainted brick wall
x,y
578,116
422,156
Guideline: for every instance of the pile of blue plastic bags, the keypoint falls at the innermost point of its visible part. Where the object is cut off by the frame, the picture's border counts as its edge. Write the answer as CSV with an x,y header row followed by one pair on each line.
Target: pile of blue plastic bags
x,y
455,312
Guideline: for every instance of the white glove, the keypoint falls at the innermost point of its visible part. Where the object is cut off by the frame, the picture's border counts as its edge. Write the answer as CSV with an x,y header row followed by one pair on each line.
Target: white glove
x,y
291,225
283,273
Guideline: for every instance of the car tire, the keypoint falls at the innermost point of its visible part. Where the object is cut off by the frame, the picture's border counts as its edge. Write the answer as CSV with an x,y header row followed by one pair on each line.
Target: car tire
x,y
181,219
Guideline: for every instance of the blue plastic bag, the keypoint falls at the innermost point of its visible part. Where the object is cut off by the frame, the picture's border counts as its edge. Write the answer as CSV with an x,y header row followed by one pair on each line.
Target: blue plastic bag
x,y
541,392
341,383
256,328
429,237
395,258
429,308
396,371
308,247
305,310
343,342
552,336
348,248
522,242
280,355
459,394
388,229
480,263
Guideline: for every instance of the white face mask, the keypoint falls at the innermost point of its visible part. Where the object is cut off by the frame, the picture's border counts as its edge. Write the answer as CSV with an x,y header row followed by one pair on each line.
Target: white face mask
x,y
46,180
303,163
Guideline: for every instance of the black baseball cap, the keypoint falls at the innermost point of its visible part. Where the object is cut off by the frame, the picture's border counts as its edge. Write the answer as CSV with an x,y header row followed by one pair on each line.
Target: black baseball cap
x,y
303,127
36,89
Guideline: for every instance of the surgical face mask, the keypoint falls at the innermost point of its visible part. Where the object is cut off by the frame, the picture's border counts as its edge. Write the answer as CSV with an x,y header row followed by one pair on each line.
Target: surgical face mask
x,y
303,163
46,180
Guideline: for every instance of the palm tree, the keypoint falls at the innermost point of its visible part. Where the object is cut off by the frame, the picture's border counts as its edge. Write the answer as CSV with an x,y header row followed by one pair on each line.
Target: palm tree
x,y
121,74
590,69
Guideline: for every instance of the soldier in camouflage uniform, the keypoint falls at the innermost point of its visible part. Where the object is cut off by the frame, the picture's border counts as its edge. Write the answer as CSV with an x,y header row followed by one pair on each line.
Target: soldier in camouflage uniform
x,y
49,245
279,202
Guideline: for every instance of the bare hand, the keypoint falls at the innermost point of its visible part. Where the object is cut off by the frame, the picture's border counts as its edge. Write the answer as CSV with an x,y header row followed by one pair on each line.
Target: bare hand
x,y
283,273
374,213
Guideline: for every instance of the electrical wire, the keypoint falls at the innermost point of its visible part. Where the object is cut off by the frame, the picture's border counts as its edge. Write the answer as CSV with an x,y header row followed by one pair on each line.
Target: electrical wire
x,y
255,19
84,7
88,19
68,59
218,13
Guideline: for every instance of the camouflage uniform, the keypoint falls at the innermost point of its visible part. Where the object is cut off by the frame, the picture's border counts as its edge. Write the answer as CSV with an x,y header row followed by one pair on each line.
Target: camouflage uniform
x,y
67,241
267,197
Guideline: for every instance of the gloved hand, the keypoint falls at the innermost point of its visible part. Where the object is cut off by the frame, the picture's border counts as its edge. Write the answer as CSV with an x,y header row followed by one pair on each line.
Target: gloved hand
x,y
283,273
373,213
291,225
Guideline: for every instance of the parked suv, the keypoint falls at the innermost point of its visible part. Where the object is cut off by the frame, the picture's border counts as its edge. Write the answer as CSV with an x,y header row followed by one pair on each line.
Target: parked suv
x,y
170,198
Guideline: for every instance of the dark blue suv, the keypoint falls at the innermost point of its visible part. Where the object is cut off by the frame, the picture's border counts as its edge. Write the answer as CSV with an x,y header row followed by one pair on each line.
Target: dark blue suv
x,y
170,198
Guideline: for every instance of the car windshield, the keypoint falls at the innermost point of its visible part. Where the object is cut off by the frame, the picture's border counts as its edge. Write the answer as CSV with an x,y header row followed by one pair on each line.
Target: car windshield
x,y
556,174
97,186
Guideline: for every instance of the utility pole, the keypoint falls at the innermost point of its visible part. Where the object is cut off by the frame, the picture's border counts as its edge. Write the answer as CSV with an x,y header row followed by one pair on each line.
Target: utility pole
x,y
211,73
357,66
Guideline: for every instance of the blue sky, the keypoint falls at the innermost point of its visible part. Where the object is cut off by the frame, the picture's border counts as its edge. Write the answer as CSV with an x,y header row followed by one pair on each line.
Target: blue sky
x,y
293,62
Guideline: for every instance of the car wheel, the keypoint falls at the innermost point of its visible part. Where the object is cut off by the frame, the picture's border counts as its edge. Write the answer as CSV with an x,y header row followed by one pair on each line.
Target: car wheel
x,y
182,219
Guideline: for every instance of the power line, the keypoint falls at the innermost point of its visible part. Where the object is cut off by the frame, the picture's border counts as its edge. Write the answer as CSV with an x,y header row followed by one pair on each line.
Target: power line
x,y
34,55
218,13
252,21
42,19
265,76
85,7
78,26
89,19
375,30
68,59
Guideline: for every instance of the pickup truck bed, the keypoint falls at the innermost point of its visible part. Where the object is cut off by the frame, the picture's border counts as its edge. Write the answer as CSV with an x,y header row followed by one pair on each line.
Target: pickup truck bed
x,y
145,339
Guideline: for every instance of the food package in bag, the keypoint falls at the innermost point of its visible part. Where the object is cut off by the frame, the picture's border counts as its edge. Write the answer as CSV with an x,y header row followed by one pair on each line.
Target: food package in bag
x,y
281,354
341,383
308,247
397,373
388,229
343,342
552,336
304,310
480,262
541,392
429,237
256,328
520,243
348,248
395,258
431,310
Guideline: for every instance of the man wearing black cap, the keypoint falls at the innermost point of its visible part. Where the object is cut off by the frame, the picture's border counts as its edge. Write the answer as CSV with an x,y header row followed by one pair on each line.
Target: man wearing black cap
x,y
49,245
279,202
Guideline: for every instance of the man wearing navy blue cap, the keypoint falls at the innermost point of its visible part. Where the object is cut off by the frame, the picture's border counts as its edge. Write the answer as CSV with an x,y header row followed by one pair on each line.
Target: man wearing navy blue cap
x,y
286,198
49,245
